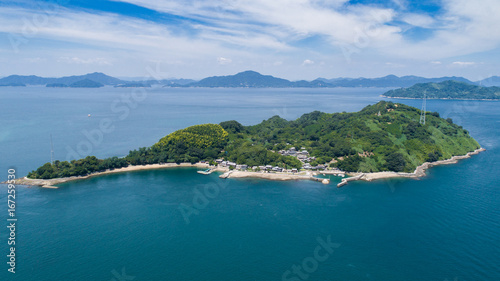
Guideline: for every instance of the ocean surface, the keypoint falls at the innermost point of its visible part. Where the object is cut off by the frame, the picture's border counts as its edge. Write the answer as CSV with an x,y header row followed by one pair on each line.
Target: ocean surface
x,y
175,224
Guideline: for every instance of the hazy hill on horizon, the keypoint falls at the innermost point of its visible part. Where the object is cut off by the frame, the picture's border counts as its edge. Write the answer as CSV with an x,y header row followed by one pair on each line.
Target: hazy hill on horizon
x,y
67,80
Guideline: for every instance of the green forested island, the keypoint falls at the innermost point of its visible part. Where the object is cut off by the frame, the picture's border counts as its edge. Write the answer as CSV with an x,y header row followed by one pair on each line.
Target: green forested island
x,y
85,83
12,84
382,137
446,90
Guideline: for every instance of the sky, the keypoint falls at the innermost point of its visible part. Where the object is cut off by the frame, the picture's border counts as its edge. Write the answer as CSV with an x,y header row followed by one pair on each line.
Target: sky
x,y
299,39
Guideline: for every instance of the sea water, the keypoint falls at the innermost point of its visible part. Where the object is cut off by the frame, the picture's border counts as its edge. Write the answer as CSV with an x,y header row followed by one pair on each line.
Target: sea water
x,y
175,224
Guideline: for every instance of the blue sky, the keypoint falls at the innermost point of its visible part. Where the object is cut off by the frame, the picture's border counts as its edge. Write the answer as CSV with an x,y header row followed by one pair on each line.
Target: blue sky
x,y
300,39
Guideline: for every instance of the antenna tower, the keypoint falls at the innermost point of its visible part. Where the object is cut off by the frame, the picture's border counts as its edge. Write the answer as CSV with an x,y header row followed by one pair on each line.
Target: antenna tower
x,y
422,112
51,151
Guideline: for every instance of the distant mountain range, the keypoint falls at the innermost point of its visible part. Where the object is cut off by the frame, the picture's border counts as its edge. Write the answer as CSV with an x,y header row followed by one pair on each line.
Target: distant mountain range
x,y
68,80
246,79
252,79
389,81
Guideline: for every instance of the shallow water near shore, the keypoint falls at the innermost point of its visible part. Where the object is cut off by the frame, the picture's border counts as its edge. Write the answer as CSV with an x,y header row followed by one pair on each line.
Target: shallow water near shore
x,y
445,226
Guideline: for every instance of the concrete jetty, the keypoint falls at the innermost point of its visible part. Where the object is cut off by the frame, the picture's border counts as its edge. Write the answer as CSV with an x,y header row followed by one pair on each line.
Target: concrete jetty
x,y
345,181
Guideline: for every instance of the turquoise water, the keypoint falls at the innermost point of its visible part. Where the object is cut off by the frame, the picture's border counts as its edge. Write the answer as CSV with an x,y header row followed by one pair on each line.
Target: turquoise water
x,y
445,226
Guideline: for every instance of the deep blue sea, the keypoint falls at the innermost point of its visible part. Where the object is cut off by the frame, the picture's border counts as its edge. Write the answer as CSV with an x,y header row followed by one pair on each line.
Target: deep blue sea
x,y
176,224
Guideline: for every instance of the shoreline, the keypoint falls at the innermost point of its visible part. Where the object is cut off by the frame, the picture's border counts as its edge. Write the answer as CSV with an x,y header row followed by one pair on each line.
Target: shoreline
x,y
419,172
280,176
51,183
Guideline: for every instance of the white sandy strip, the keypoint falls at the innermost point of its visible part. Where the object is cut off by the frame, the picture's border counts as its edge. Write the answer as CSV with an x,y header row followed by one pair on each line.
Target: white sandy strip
x,y
269,176
51,183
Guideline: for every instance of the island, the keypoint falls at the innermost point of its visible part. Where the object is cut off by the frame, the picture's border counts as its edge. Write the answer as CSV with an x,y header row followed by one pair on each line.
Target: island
x,y
380,141
134,85
56,85
86,83
13,84
446,90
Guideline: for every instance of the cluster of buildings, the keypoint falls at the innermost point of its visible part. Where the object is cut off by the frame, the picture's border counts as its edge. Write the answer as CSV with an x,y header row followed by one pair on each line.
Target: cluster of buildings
x,y
269,168
302,155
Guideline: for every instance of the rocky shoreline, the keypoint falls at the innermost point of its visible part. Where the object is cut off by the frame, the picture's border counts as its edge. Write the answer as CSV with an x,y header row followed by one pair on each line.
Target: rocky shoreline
x,y
419,171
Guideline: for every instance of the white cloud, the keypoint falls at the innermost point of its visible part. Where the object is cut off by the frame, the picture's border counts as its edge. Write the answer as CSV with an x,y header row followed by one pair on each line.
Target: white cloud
x,y
284,20
419,20
392,64
464,28
307,62
105,30
77,60
400,3
35,60
260,32
463,63
223,61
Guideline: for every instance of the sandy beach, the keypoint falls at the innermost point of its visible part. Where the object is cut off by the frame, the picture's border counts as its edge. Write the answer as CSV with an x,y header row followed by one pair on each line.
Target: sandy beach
x,y
419,172
51,183
270,176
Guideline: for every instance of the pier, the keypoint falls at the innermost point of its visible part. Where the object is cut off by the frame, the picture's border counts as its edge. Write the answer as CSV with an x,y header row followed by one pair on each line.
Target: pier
x,y
206,172
345,181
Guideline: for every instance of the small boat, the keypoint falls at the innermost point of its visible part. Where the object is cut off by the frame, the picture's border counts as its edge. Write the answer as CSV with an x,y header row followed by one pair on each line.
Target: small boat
x,y
88,115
